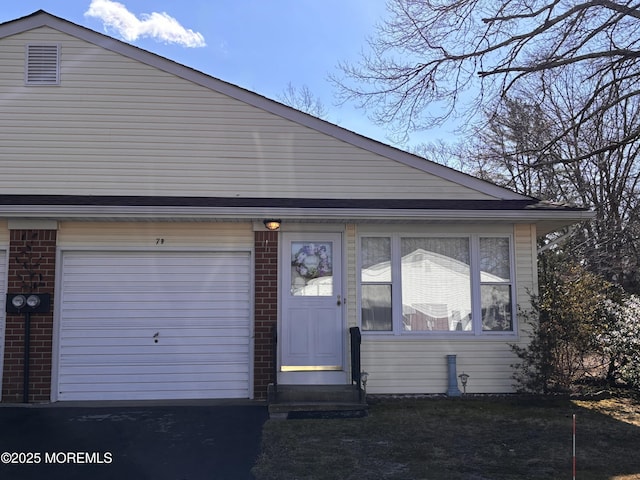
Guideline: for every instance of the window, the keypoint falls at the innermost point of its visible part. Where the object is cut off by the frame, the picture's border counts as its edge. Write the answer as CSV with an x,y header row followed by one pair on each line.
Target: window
x,y
495,284
311,269
375,278
42,65
436,284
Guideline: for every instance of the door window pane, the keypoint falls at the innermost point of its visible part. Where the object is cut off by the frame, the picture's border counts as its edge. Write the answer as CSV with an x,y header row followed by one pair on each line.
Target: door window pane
x,y
312,269
436,284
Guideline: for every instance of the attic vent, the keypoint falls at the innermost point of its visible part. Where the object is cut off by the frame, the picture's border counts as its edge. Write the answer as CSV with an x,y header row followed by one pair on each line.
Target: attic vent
x,y
43,65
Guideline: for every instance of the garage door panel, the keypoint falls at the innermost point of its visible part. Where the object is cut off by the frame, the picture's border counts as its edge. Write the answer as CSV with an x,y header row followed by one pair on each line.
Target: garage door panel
x,y
180,283
186,348
139,386
137,335
213,393
114,303
166,318
157,379
152,391
175,283
134,385
132,272
94,257
191,344
143,301
157,368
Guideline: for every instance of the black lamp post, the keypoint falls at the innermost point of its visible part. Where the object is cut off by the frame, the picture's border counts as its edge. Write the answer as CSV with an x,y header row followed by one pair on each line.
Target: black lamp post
x,y
464,378
27,303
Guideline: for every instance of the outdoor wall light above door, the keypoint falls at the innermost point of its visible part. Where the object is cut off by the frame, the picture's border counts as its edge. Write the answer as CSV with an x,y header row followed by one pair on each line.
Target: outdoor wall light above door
x,y
272,224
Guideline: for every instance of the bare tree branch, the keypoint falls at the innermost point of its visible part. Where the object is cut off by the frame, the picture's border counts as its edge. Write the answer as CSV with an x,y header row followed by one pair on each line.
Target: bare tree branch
x,y
302,99
432,59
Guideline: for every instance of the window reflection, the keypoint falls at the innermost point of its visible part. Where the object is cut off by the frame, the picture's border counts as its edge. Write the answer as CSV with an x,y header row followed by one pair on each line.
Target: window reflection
x,y
312,269
436,284
436,280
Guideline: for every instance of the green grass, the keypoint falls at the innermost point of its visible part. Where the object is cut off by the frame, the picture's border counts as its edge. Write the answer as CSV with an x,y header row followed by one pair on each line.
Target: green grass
x,y
471,439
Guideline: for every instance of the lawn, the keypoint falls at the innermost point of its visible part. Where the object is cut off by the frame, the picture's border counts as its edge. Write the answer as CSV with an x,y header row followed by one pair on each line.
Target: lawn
x,y
472,438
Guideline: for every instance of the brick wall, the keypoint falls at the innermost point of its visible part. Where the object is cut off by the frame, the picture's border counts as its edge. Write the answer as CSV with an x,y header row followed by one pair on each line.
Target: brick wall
x,y
266,309
31,269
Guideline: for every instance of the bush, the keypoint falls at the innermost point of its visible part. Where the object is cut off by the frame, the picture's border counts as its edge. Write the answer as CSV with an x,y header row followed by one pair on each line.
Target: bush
x,y
566,323
621,341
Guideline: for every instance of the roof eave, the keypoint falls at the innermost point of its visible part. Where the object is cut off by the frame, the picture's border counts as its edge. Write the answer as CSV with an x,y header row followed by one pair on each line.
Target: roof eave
x,y
546,221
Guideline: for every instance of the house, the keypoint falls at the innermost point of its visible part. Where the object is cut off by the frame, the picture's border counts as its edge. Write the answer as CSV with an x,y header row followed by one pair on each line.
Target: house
x,y
135,195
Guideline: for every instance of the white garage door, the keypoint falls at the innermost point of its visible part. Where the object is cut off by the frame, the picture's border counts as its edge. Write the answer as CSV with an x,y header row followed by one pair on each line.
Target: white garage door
x,y
144,325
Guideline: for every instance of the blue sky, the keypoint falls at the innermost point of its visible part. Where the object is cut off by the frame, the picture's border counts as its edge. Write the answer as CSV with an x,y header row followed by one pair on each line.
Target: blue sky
x,y
261,45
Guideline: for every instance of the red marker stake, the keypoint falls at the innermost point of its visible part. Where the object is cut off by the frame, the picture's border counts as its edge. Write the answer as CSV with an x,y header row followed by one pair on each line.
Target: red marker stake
x,y
574,446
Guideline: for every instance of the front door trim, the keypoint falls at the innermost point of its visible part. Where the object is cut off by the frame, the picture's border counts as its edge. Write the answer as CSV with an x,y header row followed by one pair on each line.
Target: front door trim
x,y
332,372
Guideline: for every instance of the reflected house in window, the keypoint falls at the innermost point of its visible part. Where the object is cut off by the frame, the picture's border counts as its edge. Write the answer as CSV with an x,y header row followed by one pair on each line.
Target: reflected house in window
x,y
436,296
436,292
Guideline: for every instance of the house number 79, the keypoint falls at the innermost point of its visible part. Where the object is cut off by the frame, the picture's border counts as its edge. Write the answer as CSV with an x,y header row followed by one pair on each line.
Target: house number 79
x,y
159,241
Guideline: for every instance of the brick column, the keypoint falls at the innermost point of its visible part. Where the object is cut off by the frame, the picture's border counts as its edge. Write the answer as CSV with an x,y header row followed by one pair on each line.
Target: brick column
x,y
266,309
31,269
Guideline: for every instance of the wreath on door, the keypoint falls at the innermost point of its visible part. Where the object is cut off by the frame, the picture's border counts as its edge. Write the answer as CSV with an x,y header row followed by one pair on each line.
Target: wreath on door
x,y
312,261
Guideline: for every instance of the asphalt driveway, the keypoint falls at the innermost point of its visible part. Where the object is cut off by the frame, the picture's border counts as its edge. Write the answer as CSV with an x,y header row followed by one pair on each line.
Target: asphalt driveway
x,y
132,442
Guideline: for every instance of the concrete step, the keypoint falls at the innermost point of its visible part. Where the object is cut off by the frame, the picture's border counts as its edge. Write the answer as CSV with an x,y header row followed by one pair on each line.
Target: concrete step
x,y
314,393
316,401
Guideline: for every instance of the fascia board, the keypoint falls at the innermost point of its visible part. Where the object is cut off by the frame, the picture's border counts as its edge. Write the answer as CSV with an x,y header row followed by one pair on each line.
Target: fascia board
x,y
225,213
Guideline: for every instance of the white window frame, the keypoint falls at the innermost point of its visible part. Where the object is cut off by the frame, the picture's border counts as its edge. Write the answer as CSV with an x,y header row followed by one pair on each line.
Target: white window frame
x,y
474,235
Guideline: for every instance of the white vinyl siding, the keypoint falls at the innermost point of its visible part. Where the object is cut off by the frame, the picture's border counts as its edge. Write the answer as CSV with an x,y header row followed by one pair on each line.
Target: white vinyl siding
x,y
410,366
116,126
351,275
414,365
148,325
156,235
4,233
526,263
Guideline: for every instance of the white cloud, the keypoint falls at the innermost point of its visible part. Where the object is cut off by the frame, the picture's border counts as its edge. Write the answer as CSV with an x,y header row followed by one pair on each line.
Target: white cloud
x,y
159,26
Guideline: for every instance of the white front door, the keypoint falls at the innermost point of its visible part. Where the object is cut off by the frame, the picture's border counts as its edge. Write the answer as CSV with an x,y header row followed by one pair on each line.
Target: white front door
x,y
312,328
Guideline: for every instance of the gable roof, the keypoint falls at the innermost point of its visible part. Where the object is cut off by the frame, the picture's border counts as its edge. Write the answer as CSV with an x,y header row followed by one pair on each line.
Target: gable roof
x,y
505,199
42,18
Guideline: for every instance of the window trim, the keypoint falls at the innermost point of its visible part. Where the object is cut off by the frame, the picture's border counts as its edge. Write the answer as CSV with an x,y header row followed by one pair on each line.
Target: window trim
x,y
474,235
